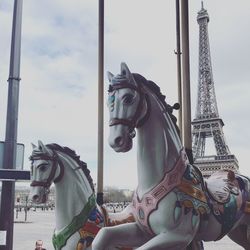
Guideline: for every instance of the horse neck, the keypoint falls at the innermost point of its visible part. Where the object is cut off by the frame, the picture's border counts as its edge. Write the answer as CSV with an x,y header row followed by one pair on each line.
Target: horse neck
x,y
158,147
72,193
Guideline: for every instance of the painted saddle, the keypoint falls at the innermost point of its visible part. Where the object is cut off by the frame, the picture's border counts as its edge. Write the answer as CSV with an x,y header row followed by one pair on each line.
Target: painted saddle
x,y
228,197
221,184
225,194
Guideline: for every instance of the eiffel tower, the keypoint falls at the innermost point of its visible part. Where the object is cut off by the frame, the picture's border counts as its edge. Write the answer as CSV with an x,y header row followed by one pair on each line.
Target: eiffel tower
x,y
207,124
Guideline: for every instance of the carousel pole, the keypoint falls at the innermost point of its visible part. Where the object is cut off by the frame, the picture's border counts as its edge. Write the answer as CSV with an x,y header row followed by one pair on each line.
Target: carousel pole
x,y
186,100
186,104
178,54
100,103
10,144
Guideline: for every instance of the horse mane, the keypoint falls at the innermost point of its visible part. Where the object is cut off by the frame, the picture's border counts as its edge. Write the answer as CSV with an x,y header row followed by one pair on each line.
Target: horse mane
x,y
74,156
157,91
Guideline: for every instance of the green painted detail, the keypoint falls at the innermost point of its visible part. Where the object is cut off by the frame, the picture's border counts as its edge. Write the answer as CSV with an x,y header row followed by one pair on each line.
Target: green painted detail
x,y
61,238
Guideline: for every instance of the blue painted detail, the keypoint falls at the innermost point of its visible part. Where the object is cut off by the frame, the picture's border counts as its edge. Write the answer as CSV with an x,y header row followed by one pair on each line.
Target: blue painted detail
x,y
111,102
192,175
96,216
188,173
111,99
141,214
196,203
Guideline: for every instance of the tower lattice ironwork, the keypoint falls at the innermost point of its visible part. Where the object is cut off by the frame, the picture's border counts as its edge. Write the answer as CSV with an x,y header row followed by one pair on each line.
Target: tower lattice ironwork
x,y
207,122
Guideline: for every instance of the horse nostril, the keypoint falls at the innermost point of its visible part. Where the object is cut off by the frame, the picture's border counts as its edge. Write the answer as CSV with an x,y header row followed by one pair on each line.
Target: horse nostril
x,y
35,197
118,141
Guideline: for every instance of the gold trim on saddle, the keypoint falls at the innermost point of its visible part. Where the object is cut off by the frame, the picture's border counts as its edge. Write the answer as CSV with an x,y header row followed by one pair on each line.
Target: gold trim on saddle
x,y
130,218
112,222
201,208
247,207
193,191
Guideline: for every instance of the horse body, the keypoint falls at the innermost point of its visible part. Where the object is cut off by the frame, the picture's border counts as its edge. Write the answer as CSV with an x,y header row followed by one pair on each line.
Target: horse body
x,y
171,205
78,217
64,189
154,162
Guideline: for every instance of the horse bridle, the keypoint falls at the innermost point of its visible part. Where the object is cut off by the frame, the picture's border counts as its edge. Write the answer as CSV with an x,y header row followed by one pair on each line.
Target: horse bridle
x,y
135,122
56,162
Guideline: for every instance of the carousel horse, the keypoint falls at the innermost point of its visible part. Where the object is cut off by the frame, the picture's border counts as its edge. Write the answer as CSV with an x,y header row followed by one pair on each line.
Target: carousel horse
x,y
173,204
78,217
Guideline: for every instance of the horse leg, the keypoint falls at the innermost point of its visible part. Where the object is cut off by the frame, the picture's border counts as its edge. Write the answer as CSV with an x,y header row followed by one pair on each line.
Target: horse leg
x,y
128,234
167,240
239,236
177,238
195,245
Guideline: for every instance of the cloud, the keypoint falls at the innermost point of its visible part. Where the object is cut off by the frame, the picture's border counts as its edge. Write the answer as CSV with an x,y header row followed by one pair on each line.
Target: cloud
x,y
58,90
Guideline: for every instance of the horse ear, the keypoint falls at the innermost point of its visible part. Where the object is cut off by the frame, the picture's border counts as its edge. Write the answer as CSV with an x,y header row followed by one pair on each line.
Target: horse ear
x,y
44,148
33,145
110,76
125,71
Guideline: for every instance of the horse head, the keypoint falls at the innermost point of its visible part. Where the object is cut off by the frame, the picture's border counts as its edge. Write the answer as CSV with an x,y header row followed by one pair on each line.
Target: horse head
x,y
46,168
127,108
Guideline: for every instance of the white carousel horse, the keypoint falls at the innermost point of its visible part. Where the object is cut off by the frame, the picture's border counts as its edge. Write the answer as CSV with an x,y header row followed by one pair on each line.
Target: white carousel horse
x,y
78,217
173,205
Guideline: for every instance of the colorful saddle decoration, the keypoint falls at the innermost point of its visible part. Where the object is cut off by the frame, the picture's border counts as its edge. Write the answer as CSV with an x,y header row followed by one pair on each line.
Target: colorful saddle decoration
x,y
221,184
228,198
90,229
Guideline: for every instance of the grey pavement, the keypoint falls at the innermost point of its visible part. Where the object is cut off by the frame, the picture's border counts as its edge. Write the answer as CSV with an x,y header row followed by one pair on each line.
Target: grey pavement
x,y
40,225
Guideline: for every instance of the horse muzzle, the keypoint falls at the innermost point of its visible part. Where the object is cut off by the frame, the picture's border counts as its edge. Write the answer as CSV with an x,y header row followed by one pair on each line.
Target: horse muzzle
x,y
39,195
121,143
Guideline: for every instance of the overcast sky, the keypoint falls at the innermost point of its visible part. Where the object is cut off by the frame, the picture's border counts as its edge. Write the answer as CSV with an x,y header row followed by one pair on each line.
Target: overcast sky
x,y
58,90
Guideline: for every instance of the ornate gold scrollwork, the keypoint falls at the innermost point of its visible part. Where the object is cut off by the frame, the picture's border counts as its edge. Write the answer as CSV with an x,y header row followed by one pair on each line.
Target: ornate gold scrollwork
x,y
192,191
247,207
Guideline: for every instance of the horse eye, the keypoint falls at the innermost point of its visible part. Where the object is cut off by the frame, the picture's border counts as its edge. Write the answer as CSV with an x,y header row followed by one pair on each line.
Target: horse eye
x,y
128,99
43,167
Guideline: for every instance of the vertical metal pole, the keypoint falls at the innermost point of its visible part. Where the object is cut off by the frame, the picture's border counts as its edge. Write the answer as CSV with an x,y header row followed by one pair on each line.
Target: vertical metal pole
x,y
100,103
187,138
26,208
10,145
178,54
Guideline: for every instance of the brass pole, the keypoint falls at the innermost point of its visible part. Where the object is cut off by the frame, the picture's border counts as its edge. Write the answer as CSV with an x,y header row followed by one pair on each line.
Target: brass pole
x,y
186,105
100,103
178,54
